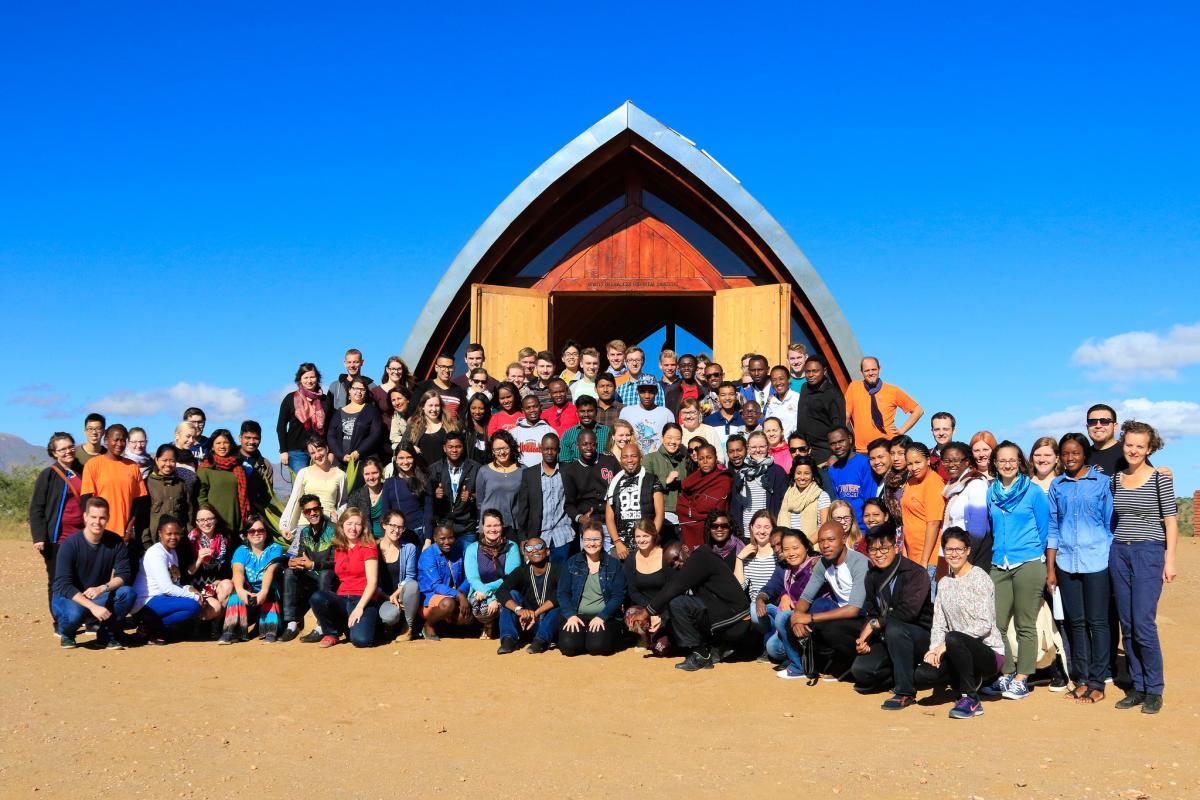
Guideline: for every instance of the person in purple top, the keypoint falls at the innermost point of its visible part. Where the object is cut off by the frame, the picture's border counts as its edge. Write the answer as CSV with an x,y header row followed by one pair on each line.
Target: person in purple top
x,y
773,605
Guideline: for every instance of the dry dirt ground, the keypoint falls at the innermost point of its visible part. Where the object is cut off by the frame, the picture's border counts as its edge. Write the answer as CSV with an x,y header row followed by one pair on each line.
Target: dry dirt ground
x,y
453,719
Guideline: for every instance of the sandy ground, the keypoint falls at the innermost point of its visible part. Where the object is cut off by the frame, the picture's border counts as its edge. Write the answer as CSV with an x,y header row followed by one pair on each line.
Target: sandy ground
x,y
454,719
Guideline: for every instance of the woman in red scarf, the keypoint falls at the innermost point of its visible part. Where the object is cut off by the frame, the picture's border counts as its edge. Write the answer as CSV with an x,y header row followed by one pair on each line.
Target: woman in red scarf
x,y
705,489
223,481
302,413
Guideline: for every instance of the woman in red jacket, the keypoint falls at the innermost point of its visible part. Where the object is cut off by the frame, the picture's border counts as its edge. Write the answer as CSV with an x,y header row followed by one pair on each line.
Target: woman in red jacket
x,y
705,489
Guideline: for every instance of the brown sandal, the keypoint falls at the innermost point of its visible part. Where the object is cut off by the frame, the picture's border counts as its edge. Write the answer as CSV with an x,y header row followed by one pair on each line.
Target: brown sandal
x,y
1092,696
1078,693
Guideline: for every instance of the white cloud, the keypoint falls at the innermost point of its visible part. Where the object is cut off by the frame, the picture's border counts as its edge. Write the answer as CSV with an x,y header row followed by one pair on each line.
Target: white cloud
x,y
1141,354
1172,419
216,401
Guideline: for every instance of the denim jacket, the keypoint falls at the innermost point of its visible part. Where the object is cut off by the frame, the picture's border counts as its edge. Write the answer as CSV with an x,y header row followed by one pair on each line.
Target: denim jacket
x,y
1080,522
570,585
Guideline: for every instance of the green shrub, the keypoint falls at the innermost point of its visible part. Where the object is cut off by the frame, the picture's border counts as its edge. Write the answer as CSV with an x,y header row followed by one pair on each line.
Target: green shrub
x,y
16,488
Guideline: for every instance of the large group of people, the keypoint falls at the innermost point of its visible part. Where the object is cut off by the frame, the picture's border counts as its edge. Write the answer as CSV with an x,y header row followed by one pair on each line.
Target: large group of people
x,y
763,514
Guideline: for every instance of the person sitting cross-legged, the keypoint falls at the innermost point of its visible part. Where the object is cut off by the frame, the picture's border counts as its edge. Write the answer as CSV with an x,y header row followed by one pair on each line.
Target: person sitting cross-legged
x,y
91,574
255,594
164,604
530,600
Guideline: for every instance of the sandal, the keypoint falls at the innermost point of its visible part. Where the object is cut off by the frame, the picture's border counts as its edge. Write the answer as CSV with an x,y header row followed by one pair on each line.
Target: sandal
x,y
1078,693
1092,696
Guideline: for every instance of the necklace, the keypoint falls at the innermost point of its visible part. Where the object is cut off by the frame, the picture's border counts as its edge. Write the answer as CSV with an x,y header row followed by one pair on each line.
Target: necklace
x,y
540,597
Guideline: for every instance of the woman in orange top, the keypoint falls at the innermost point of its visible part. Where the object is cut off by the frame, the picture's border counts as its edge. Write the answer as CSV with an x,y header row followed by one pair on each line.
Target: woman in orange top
x,y
922,507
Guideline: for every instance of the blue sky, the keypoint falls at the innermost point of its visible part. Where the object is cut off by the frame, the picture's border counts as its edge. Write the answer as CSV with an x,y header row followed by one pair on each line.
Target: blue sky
x,y
209,195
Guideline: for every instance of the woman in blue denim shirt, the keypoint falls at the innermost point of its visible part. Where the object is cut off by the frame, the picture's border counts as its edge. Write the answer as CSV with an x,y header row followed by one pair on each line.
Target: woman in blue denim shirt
x,y
590,590
1081,507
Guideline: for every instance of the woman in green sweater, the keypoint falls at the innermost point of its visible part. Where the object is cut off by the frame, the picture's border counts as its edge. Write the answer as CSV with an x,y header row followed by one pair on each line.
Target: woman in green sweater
x,y
669,464
223,481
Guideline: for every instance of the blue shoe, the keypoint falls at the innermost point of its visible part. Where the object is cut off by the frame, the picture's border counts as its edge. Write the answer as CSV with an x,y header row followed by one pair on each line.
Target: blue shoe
x,y
998,687
1017,690
966,707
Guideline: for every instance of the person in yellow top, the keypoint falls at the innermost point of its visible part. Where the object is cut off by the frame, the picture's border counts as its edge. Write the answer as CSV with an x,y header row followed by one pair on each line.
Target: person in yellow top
x,y
871,407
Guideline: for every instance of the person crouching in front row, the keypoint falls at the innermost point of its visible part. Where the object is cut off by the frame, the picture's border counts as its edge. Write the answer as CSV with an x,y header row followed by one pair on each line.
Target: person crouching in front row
x,y
530,600
443,583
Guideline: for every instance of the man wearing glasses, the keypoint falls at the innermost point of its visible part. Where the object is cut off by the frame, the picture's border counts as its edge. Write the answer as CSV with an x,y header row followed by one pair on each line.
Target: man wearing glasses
x,y
899,617
530,598
310,568
454,399
1107,456
93,436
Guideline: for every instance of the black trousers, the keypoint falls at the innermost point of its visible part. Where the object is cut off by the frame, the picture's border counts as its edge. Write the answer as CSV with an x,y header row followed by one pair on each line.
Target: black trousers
x,y
833,644
50,556
691,628
967,664
298,587
584,641
892,662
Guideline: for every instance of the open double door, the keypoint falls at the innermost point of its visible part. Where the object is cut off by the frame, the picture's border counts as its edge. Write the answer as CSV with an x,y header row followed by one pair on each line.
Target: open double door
x,y
749,319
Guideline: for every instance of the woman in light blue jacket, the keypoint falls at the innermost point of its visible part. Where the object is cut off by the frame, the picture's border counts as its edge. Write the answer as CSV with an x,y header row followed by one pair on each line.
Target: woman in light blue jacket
x,y
485,563
1081,508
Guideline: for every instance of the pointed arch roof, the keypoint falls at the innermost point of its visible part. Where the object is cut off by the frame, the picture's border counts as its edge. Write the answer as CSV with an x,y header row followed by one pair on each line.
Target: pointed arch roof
x,y
625,119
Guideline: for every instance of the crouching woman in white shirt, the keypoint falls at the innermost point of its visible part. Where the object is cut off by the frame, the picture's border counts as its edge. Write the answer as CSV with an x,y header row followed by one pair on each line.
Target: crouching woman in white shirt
x,y
163,605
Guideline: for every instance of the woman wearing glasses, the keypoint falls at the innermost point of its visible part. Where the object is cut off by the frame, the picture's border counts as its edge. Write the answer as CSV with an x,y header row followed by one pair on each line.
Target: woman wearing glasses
x,y
842,513
54,509
691,422
966,501
497,484
1020,515
590,590
398,576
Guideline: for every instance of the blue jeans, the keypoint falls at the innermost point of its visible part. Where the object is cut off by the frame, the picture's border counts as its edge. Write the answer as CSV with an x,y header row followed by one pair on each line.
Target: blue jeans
x,y
766,626
333,613
1136,573
931,570
70,615
784,644
297,460
167,611
1085,605
545,629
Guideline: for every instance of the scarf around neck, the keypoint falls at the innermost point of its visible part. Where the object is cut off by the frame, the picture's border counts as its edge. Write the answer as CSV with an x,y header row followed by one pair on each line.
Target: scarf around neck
x,y
309,411
876,414
732,546
1008,499
803,503
232,464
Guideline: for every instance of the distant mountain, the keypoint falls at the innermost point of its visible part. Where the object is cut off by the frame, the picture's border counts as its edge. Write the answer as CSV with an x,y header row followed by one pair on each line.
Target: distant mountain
x,y
16,452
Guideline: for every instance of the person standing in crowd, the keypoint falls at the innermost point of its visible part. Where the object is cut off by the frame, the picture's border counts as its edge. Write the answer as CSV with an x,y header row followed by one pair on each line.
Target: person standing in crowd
x,y
703,491
691,425
475,428
871,407
711,378
966,501
529,598
669,464
589,373
477,384
561,413
320,478
941,426
94,426
453,481
508,408
850,473
136,451
542,504
879,454
1043,462
223,483
832,622
586,480
185,463
497,484
339,390
585,408
615,353
726,421
162,603
647,417
805,505
758,482
353,609
260,475
922,508
1142,560
453,398
368,497
783,404
777,446
426,433
983,444
198,419
820,408
302,413
167,496
398,577
473,359
514,373
899,617
1107,454
707,606
207,559
91,579
797,355
543,371
965,647
309,568
56,508
646,573
119,481
570,355
668,369
608,407
355,431
1020,515
629,388
622,434
590,590
485,563
255,595
633,494
397,375
1077,553
842,513
751,415
529,432
759,389
409,490
894,484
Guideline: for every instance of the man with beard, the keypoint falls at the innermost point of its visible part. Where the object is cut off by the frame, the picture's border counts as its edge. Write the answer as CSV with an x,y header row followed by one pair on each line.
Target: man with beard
x,y
632,495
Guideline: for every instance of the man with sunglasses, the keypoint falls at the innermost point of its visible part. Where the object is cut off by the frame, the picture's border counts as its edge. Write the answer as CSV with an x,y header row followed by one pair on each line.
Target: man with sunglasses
x,y
1107,455
710,382
309,568
530,600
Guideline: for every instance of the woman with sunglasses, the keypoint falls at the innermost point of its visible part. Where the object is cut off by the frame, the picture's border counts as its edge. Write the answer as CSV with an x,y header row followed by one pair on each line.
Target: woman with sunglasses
x,y
703,491
398,576
718,537
255,597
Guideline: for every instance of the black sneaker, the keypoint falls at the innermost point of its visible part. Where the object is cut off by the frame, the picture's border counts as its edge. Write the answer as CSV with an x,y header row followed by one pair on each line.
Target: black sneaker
x,y
898,702
539,646
695,661
113,644
289,634
312,637
66,642
507,645
1132,699
1152,704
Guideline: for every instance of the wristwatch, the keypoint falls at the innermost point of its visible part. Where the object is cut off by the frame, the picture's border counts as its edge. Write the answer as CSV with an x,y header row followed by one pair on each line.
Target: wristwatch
x,y
874,624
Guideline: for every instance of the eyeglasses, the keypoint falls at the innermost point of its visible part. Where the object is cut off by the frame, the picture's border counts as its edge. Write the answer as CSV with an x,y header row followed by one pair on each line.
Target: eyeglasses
x,y
1100,421
500,450
592,541
443,366
879,549
315,510
391,526
205,519
66,449
842,519
1007,462
256,530
537,548
954,551
720,526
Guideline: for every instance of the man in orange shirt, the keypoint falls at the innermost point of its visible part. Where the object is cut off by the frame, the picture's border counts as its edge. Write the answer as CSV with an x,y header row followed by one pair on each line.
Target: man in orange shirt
x,y
871,407
117,479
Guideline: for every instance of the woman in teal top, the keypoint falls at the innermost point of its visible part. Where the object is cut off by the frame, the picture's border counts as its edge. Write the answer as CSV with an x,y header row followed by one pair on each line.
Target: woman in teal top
x,y
485,563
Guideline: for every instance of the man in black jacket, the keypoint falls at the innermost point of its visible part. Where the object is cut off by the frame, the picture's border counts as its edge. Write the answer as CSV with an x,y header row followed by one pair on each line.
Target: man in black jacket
x,y
453,483
822,408
586,480
529,596
899,616
714,613
542,503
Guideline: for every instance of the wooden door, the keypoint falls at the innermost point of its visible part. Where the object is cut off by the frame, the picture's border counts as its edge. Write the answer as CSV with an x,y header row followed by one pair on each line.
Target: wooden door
x,y
754,319
505,319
